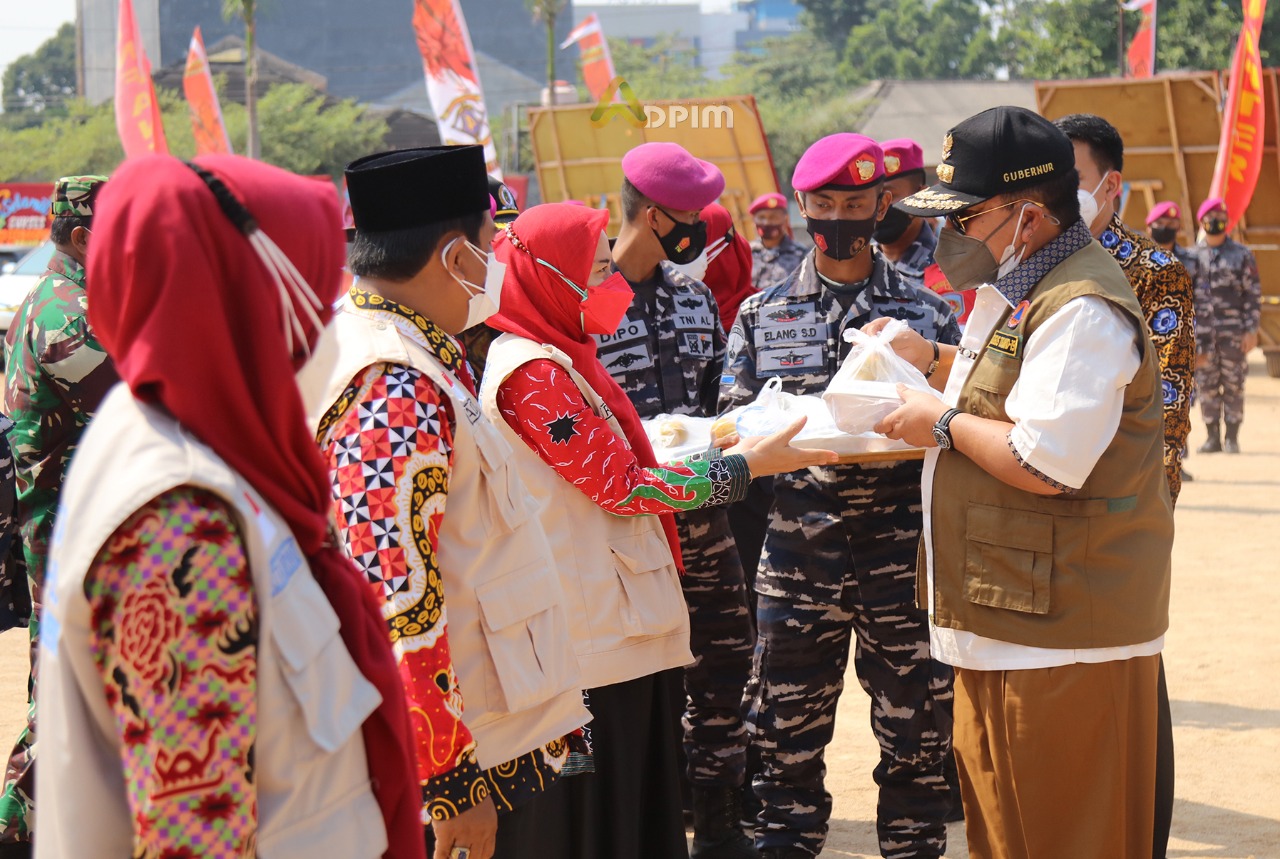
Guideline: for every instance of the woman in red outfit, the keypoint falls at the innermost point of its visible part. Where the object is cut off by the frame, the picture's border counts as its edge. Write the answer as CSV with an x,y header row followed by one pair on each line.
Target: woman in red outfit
x,y
608,505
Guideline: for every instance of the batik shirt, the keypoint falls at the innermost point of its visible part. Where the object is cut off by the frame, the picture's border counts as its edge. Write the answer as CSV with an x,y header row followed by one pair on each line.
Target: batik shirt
x,y
388,441
174,635
1230,295
56,374
1167,296
794,332
771,266
918,257
542,403
667,352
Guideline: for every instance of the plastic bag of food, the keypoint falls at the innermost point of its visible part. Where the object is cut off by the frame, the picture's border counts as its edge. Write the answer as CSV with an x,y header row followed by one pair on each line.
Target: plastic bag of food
x,y
677,437
865,388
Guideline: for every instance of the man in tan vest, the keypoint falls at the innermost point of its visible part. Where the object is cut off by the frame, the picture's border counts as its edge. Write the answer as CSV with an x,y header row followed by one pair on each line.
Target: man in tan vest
x,y
431,507
1048,524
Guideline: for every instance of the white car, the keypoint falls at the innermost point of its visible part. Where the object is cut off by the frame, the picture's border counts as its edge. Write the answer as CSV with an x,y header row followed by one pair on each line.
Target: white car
x,y
17,279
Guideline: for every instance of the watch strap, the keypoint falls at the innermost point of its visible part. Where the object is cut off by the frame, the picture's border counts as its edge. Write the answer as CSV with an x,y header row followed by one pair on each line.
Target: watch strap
x,y
933,365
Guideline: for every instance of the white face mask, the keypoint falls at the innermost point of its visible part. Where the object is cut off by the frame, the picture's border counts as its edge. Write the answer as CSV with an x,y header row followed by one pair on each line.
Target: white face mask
x,y
486,299
1011,258
698,268
1089,207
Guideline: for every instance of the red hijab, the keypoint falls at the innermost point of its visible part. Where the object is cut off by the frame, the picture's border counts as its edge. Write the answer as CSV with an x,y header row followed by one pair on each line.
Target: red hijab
x,y
540,307
195,325
729,274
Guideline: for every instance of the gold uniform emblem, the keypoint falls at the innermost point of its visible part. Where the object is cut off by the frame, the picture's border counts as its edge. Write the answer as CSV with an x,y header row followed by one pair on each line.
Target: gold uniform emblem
x,y
947,143
866,169
946,173
892,163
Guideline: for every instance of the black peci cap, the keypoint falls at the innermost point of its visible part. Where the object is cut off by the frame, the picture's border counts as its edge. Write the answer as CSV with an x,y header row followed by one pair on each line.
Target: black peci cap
x,y
995,152
416,187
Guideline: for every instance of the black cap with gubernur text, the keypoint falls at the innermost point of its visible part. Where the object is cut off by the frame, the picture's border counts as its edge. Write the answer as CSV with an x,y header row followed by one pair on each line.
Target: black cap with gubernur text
x,y
995,152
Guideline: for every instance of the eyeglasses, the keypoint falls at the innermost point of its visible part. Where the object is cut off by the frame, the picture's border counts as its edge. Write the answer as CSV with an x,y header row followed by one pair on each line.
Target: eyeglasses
x,y
958,221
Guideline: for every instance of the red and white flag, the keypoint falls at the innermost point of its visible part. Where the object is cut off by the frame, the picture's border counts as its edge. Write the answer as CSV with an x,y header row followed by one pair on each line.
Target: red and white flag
x,y
597,63
1141,60
453,85
137,111
202,102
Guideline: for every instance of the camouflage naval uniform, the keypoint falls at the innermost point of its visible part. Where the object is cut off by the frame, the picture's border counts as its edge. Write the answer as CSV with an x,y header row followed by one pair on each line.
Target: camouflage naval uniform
x,y
667,355
918,257
839,563
56,374
771,266
1228,301
1166,295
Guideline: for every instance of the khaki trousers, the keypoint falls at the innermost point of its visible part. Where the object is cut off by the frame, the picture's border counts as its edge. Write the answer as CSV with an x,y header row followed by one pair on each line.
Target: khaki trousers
x,y
1058,763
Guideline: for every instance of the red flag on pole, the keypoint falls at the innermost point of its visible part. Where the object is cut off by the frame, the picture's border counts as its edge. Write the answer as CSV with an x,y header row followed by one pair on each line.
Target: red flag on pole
x,y
597,63
137,111
1240,148
202,102
1142,50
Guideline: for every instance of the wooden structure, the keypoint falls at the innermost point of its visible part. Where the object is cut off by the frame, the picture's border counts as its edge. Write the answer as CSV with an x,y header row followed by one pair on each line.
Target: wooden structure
x,y
1171,125
578,161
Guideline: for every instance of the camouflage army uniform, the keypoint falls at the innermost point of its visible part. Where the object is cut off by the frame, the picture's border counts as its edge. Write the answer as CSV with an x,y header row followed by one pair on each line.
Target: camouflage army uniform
x,y
839,562
15,593
667,355
56,374
771,266
1165,292
1227,307
918,257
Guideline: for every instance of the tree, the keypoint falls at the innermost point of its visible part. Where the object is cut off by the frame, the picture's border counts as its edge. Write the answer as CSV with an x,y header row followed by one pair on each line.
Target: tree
x,y
832,20
300,134
919,40
40,83
546,12
246,11
660,71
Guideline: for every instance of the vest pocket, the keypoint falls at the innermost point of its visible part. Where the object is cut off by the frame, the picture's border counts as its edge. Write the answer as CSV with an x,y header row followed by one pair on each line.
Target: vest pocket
x,y
334,697
1008,558
527,638
653,603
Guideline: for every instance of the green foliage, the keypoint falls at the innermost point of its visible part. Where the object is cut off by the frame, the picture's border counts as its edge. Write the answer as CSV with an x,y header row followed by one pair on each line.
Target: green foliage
x,y
919,39
833,20
296,134
660,71
39,84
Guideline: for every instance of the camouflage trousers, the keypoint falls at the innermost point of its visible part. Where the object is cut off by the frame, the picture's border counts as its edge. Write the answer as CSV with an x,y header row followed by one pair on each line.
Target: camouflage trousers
x,y
863,555
721,638
1220,382
17,802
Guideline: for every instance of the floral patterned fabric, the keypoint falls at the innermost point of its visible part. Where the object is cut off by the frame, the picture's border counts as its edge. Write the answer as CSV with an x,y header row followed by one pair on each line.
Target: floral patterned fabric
x,y
175,639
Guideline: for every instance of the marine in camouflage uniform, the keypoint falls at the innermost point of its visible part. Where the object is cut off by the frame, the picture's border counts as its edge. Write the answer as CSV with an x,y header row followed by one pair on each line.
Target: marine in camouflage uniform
x,y
919,256
667,355
1165,291
56,374
839,568
771,266
1228,308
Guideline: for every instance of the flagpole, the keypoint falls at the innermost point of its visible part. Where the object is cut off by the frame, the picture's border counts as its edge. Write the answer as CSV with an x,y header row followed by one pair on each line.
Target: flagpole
x,y
1120,37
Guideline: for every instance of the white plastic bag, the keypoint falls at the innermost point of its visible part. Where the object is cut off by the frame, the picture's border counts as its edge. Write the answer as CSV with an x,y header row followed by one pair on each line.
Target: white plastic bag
x,y
677,437
865,389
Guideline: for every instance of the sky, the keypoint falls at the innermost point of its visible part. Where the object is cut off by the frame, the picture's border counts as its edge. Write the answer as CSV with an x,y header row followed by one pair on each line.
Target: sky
x,y
25,25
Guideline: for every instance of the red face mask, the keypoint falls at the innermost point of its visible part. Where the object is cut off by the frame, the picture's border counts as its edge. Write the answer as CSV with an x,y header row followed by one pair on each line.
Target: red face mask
x,y
606,304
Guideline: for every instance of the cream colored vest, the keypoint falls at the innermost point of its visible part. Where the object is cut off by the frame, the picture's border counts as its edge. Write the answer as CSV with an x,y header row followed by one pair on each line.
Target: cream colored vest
x,y
310,772
626,607
508,634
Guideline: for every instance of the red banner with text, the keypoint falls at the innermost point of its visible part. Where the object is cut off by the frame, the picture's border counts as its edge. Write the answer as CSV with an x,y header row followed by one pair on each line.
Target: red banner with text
x,y
202,102
25,215
137,111
1240,148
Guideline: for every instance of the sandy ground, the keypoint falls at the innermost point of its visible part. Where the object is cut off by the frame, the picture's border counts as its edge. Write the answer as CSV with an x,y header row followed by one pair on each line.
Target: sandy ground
x,y
1222,658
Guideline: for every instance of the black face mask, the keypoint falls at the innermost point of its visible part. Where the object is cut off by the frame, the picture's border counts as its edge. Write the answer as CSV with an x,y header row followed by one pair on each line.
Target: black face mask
x,y
685,241
769,231
1164,235
1214,226
841,239
892,226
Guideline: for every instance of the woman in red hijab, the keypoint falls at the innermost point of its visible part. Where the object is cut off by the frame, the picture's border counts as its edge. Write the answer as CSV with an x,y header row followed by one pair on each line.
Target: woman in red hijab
x,y
728,271
219,682
607,508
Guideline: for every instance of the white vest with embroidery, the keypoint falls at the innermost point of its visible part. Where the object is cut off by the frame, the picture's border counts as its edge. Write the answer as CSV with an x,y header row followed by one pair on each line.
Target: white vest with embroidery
x,y
310,770
508,633
626,606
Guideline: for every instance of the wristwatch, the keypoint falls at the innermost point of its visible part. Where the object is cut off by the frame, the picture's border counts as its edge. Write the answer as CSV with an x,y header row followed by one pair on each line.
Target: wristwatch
x,y
942,429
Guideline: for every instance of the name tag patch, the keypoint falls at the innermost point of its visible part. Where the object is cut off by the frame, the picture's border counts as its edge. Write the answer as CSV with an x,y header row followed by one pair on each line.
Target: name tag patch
x,y
629,331
1005,343
692,311
286,561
